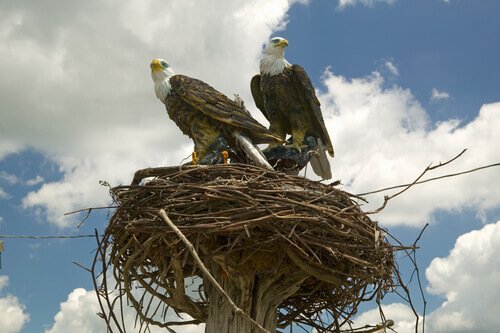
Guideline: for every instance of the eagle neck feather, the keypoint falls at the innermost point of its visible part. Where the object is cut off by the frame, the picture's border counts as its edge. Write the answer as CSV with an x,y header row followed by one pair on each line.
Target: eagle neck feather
x,y
162,89
271,64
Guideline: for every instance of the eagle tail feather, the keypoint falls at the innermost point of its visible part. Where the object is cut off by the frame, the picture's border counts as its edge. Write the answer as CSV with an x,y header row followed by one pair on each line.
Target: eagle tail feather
x,y
253,152
319,161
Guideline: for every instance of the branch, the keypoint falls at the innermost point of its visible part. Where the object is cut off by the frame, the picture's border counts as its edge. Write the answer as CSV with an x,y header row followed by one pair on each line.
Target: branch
x,y
203,268
406,187
88,210
432,179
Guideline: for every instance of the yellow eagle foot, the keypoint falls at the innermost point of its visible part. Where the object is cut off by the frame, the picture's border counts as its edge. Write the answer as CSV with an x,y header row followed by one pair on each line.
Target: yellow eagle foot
x,y
195,158
225,156
296,146
271,147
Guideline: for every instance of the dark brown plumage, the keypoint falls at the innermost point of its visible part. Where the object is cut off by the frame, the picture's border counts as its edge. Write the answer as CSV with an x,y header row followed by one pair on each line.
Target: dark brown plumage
x,y
290,104
288,101
203,114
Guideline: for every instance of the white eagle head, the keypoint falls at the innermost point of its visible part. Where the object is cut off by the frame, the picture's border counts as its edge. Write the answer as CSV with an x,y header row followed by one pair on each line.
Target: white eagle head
x,y
273,60
276,46
161,72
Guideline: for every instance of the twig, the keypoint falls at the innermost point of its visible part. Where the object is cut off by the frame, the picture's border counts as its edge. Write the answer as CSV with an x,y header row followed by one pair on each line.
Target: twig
x,y
46,236
428,168
432,179
100,254
412,256
418,276
83,267
89,209
207,274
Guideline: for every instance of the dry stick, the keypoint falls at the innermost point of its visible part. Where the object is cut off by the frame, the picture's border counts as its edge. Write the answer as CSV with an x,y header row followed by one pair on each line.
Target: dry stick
x,y
429,168
413,259
371,329
432,179
89,211
418,276
205,271
101,251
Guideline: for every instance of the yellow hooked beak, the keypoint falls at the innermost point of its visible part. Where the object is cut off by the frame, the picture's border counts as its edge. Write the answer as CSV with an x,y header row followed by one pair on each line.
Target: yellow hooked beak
x,y
156,65
283,43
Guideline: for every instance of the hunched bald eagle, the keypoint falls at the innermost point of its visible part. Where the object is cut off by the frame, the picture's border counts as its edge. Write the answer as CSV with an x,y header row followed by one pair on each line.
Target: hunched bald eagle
x,y
285,95
206,115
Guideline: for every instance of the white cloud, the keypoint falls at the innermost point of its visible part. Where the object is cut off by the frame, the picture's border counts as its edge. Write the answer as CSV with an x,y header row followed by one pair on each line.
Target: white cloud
x,y
369,3
9,178
468,279
76,84
34,181
391,68
437,95
3,194
4,281
383,137
88,104
79,314
13,316
12,313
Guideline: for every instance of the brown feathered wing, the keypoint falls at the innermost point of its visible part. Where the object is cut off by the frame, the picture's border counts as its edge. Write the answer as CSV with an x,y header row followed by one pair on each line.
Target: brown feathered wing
x,y
219,107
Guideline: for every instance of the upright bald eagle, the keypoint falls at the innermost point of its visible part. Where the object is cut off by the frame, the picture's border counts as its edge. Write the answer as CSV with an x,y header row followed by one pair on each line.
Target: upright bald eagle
x,y
208,116
285,95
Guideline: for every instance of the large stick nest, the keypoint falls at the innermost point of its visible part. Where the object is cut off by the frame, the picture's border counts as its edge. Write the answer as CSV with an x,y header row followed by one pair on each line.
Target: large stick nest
x,y
250,221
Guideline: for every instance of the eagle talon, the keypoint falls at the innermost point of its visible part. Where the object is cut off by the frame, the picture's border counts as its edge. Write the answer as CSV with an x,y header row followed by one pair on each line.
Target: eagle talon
x,y
297,147
194,158
225,156
271,147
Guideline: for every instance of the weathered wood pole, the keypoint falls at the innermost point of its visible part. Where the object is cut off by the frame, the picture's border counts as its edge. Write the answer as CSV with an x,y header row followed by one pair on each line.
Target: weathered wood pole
x,y
241,300
258,295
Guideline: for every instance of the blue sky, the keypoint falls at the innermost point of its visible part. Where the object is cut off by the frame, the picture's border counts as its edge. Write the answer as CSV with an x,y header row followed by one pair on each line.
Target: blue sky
x,y
402,84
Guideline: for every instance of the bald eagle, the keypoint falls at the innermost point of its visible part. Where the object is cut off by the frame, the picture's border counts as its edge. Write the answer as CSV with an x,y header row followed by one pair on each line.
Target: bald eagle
x,y
207,116
285,95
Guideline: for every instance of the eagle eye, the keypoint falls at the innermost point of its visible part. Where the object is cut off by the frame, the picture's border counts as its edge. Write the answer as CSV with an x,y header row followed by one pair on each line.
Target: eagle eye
x,y
275,40
164,64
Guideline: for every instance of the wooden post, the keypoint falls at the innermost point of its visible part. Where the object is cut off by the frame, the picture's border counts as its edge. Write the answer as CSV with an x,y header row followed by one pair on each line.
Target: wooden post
x,y
245,302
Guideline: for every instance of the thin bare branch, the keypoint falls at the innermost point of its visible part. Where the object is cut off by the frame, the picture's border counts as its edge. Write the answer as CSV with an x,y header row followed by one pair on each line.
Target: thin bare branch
x,y
428,168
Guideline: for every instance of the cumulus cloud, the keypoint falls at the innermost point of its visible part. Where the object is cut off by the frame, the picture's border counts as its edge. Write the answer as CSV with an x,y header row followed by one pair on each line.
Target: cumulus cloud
x,y
369,3
437,95
13,316
76,84
383,136
79,314
77,88
468,279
